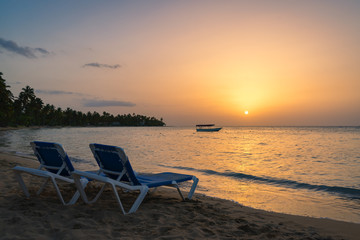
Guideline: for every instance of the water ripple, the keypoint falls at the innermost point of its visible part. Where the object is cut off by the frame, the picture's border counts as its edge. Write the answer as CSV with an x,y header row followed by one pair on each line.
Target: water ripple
x,y
348,192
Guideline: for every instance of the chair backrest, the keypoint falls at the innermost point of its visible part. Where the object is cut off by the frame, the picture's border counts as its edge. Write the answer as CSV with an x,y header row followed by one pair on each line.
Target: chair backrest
x,y
114,163
52,157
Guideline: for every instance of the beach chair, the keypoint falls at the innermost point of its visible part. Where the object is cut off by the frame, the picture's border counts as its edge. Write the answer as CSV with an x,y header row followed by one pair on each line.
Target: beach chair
x,y
114,163
54,165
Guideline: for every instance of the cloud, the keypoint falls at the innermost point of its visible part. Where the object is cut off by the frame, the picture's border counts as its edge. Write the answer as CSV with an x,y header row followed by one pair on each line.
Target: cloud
x,y
100,65
56,92
89,102
28,52
60,92
17,82
107,103
41,50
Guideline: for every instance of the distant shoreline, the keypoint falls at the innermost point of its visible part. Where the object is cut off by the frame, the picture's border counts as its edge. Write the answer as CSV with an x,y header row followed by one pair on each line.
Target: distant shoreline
x,y
39,127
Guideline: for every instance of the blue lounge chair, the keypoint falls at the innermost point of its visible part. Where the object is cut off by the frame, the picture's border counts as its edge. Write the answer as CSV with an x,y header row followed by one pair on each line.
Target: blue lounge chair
x,y
54,165
114,163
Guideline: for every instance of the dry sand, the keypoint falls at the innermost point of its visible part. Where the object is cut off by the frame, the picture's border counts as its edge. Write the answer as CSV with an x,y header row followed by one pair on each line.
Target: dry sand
x,y
162,215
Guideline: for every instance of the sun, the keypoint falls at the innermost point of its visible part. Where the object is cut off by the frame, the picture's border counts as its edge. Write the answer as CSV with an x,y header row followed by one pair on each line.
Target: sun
x,y
246,112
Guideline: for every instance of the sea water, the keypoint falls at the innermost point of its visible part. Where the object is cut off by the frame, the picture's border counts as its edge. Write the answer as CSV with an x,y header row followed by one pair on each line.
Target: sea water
x,y
308,171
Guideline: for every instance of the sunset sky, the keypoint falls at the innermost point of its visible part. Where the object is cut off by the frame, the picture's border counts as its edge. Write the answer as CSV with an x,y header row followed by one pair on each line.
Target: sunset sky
x,y
286,62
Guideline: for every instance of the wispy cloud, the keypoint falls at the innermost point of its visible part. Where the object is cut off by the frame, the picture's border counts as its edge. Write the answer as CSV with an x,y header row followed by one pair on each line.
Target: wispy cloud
x,y
88,102
100,65
15,83
60,92
107,103
56,92
28,52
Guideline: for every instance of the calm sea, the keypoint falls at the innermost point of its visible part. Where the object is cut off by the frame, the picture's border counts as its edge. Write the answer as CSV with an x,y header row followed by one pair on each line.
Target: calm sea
x,y
309,171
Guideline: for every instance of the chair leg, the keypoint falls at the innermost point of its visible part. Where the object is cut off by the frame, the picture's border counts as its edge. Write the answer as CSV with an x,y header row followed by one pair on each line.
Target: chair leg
x,y
42,186
97,195
137,202
81,190
178,189
22,184
193,187
118,198
58,191
76,196
192,190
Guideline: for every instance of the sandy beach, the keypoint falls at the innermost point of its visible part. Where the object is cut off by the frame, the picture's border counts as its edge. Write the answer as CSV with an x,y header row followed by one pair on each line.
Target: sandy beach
x,y
162,215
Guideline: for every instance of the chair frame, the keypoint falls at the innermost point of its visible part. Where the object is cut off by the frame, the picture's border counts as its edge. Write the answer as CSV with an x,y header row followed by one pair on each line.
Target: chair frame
x,y
44,171
134,182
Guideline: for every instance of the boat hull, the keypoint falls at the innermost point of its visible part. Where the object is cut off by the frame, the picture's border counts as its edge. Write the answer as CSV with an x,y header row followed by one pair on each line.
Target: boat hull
x,y
208,129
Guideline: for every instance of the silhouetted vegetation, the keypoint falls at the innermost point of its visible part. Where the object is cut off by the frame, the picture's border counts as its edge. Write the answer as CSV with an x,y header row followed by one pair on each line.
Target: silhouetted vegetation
x,y
29,110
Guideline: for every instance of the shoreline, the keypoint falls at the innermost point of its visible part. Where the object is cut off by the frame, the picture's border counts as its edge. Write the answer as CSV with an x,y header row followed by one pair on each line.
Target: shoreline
x,y
161,215
58,127
33,159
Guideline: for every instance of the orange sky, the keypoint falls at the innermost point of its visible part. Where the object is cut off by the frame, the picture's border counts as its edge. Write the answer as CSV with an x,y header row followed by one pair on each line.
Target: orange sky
x,y
190,62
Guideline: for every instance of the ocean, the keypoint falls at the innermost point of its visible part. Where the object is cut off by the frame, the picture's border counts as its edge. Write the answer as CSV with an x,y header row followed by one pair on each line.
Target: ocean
x,y
307,171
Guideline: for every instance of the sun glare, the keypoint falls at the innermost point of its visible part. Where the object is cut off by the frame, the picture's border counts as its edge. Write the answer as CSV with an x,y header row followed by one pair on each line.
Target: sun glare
x,y
246,112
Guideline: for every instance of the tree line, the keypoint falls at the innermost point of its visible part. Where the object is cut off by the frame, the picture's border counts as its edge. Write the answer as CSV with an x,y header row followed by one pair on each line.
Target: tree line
x,y
29,110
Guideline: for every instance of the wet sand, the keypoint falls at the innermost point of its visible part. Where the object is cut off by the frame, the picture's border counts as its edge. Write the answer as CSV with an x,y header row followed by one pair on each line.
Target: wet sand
x,y
162,215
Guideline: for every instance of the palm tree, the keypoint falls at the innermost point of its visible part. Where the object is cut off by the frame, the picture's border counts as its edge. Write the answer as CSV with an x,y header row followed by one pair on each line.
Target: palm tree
x,y
28,107
6,103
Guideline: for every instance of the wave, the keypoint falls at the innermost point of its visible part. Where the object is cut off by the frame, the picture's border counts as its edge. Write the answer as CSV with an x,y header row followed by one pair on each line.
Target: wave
x,y
352,193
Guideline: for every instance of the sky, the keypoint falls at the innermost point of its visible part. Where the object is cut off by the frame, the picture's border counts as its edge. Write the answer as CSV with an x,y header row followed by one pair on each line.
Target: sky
x,y
286,62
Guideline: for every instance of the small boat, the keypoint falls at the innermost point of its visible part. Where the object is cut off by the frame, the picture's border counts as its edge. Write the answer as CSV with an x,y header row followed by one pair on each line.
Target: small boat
x,y
207,128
